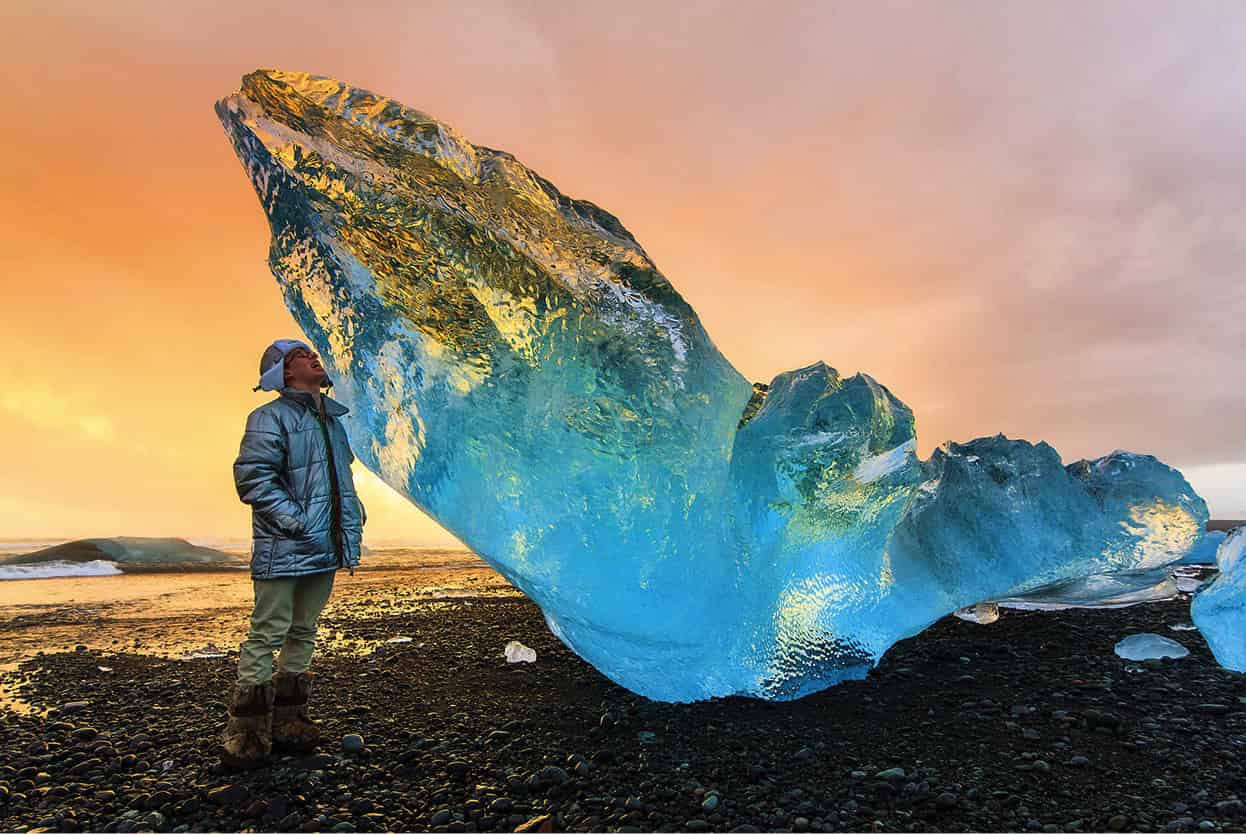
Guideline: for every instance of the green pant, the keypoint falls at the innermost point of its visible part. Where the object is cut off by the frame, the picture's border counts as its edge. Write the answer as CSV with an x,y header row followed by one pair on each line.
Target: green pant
x,y
285,616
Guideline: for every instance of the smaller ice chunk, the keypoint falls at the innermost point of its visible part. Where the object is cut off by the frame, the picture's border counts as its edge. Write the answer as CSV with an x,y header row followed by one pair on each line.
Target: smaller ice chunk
x,y
1149,647
1183,627
399,639
983,613
1219,607
517,652
1190,578
208,651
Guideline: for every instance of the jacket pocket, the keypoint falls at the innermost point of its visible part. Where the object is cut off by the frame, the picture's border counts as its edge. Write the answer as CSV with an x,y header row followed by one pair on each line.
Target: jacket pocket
x,y
262,550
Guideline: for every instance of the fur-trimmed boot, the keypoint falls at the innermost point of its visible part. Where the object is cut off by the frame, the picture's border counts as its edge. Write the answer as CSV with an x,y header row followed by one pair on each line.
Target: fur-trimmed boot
x,y
293,729
248,737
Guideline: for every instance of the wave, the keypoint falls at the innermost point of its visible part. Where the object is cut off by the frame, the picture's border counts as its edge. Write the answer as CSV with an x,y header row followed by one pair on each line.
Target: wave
x,y
51,570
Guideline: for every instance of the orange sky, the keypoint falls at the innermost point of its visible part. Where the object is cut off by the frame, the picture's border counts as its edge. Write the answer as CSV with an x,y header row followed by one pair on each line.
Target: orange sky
x,y
1024,220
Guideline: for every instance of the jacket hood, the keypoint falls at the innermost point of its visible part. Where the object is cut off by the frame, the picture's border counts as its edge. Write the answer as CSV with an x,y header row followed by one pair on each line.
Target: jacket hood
x,y
273,364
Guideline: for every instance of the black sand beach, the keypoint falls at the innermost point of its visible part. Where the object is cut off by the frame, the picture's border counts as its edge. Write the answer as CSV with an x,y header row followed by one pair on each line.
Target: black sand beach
x,y
1031,723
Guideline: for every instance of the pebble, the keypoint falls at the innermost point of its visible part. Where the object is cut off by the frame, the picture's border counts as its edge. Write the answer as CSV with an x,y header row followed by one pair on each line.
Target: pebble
x,y
1229,807
552,774
352,743
229,795
542,823
891,774
710,802
1117,822
1212,709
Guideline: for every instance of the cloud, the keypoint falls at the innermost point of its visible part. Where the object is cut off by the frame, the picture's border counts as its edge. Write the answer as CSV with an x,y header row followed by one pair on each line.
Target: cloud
x,y
40,405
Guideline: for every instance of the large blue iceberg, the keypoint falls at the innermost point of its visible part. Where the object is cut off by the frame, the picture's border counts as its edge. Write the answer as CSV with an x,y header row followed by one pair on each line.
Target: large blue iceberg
x,y
518,367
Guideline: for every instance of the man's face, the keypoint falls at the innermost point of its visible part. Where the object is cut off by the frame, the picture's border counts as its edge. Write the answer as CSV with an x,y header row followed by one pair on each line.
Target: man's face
x,y
303,368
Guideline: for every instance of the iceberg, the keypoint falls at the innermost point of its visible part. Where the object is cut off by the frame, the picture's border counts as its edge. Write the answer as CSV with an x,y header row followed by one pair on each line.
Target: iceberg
x,y
1219,608
518,367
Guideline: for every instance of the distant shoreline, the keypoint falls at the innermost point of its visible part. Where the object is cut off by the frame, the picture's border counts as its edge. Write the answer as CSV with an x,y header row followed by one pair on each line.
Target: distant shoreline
x,y
1224,524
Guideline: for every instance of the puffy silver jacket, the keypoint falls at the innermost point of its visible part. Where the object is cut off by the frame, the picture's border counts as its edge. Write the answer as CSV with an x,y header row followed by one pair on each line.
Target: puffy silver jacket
x,y
282,471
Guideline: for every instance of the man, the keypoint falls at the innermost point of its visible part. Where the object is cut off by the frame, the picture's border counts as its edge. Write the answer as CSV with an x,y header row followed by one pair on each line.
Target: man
x,y
293,469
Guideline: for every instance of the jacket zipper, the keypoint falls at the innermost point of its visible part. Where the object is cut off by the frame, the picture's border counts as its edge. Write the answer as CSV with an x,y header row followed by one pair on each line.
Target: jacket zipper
x,y
335,531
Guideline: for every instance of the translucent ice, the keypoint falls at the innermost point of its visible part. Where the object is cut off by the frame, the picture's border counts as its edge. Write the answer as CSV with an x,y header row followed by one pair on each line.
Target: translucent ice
x,y
1219,608
518,367
1204,553
1149,647
1110,590
517,652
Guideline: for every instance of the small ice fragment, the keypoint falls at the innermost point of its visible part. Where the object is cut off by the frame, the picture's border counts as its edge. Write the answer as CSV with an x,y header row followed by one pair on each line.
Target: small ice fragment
x,y
105,669
399,639
207,652
1188,579
1149,647
1183,627
982,613
166,765
517,652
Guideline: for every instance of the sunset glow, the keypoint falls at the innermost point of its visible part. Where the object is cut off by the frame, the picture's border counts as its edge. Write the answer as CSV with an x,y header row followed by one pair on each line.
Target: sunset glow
x,y
1038,236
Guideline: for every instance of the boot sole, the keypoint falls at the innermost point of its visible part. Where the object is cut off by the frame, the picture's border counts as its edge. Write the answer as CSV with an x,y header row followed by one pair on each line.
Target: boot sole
x,y
242,764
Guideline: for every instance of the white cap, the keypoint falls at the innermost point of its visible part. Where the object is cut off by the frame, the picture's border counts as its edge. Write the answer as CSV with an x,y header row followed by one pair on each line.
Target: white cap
x,y
273,364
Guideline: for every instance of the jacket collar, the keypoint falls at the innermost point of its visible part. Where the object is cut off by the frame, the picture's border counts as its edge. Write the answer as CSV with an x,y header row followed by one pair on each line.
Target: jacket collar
x,y
331,406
